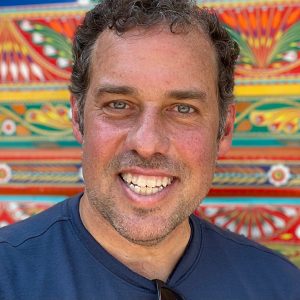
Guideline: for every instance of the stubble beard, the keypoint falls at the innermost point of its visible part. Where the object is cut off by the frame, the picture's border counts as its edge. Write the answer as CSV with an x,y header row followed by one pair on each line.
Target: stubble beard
x,y
146,227
145,233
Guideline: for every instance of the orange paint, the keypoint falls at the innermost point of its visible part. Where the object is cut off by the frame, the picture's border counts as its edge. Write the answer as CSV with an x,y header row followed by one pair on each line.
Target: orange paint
x,y
293,17
22,131
19,108
253,22
68,29
264,19
242,22
229,20
55,24
276,19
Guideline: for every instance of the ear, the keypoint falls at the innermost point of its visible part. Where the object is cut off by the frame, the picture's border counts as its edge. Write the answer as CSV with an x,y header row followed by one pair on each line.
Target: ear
x,y
75,121
226,140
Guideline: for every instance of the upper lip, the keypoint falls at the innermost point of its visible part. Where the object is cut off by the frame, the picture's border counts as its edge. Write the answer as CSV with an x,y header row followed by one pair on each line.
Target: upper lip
x,y
146,172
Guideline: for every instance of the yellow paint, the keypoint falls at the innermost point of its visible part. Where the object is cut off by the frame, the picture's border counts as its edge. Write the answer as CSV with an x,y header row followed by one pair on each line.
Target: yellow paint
x,y
268,90
35,96
64,94
286,236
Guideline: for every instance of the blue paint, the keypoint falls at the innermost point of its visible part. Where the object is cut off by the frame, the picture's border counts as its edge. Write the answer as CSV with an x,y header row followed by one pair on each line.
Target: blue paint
x,y
251,200
30,2
35,198
207,201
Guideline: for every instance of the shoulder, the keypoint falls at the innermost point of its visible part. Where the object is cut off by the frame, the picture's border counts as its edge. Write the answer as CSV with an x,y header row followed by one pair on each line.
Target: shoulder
x,y
241,249
35,226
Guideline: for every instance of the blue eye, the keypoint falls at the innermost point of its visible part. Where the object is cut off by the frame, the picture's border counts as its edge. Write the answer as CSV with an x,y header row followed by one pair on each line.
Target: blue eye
x,y
184,109
118,105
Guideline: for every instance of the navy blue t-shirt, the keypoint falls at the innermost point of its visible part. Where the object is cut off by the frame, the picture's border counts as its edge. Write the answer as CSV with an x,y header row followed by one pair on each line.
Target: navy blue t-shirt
x,y
52,256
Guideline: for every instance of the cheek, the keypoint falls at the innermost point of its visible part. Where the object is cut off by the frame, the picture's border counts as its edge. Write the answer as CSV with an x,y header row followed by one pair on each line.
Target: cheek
x,y
197,148
101,140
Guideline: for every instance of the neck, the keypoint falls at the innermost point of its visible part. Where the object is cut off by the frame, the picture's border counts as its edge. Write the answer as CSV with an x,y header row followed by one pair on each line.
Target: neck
x,y
153,262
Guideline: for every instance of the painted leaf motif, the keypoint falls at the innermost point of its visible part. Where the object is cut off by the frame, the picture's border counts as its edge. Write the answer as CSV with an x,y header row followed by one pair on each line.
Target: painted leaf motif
x,y
287,45
246,54
54,44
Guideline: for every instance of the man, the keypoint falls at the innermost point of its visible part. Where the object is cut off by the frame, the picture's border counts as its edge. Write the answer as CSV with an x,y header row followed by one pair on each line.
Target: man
x,y
153,109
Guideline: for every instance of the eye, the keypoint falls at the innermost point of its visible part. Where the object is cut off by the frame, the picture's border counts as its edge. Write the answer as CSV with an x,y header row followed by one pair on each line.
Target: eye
x,y
184,109
118,105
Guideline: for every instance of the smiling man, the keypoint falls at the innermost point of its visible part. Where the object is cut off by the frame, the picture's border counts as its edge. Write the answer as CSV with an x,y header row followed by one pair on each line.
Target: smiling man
x,y
153,109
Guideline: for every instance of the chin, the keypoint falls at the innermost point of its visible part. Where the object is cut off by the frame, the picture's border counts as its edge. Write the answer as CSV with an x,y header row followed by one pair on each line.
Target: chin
x,y
141,231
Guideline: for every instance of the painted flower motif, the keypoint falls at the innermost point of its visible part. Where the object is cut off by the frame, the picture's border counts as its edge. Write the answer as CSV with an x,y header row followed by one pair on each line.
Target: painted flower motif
x,y
37,38
16,211
279,175
8,127
49,50
80,175
62,62
26,25
83,2
297,232
70,113
5,173
290,56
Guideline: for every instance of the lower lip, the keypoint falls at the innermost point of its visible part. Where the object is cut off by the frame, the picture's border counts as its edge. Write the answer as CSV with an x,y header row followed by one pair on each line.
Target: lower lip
x,y
147,200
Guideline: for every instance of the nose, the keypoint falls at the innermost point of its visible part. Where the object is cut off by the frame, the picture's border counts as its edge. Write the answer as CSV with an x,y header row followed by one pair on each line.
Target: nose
x,y
148,135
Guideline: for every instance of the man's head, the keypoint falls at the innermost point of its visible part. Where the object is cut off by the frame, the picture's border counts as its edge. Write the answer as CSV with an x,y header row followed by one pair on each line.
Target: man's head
x,y
152,103
180,16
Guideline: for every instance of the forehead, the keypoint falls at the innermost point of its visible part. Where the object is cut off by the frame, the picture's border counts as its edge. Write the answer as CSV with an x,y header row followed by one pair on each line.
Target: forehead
x,y
155,53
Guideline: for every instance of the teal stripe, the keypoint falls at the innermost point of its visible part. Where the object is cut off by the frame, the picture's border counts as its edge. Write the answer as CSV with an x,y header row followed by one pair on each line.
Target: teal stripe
x,y
251,200
208,200
35,198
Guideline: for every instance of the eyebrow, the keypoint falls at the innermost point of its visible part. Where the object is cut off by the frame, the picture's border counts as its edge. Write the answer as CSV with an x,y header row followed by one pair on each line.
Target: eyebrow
x,y
115,89
187,94
128,90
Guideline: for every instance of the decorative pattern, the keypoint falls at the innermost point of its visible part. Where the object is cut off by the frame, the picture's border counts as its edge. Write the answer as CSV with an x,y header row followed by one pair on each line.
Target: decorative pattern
x,y
257,174
279,175
270,119
35,49
259,222
17,211
42,122
35,65
5,173
268,38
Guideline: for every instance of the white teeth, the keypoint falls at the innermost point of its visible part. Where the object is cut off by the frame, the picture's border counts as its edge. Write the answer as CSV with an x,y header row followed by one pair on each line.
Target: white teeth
x,y
165,181
126,177
142,181
146,185
151,182
155,190
158,182
144,190
129,177
137,189
134,179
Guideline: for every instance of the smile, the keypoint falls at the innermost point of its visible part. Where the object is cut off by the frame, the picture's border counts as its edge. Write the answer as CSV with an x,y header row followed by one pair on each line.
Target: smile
x,y
146,185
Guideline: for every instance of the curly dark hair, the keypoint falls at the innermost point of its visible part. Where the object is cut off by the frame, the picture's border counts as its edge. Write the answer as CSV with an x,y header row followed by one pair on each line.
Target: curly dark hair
x,y
123,15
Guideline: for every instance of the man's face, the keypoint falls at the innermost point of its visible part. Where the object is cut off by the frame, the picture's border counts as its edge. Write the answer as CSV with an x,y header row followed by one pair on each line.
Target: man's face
x,y
150,130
